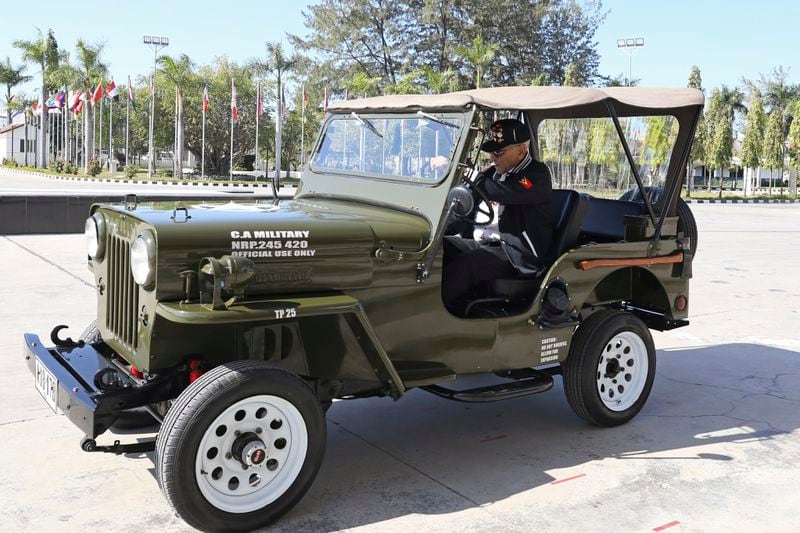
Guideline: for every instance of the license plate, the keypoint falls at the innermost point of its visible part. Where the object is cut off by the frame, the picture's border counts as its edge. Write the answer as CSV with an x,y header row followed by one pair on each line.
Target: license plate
x,y
47,385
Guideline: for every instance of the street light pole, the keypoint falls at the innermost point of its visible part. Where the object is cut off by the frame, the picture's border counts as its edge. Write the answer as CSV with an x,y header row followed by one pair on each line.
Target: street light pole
x,y
156,43
629,46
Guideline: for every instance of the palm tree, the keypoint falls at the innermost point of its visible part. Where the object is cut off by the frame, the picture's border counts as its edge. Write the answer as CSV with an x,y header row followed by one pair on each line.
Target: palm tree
x,y
439,82
90,69
180,72
279,65
480,54
779,96
42,51
65,76
11,76
362,84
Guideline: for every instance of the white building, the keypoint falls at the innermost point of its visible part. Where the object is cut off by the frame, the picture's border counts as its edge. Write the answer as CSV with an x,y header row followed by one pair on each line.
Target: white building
x,y
14,144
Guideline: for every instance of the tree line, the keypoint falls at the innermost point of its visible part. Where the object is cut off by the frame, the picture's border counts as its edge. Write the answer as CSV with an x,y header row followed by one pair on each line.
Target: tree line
x,y
754,123
356,48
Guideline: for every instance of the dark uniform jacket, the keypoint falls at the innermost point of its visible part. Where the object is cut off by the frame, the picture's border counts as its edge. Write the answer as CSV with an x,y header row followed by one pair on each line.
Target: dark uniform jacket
x,y
526,225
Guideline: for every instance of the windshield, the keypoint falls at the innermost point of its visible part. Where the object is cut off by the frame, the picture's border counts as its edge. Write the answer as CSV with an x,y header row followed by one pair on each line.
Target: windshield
x,y
410,147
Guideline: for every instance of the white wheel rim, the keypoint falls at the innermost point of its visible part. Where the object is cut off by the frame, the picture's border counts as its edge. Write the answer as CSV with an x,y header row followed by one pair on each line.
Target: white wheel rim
x,y
622,371
223,480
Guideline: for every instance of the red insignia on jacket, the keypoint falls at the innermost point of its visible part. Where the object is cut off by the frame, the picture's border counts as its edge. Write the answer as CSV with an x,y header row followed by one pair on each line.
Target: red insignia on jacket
x,y
525,182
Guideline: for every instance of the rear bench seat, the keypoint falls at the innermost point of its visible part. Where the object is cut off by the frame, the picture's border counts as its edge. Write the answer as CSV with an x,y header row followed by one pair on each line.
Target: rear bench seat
x,y
605,219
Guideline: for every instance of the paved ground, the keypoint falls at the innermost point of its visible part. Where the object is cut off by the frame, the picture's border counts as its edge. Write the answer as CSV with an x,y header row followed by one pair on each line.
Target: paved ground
x,y
717,447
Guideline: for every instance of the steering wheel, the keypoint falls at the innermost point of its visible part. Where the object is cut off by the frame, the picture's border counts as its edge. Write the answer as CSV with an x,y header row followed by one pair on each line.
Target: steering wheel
x,y
488,210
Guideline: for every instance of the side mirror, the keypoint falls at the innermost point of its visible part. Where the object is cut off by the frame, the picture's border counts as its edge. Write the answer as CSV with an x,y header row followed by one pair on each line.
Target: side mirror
x,y
460,201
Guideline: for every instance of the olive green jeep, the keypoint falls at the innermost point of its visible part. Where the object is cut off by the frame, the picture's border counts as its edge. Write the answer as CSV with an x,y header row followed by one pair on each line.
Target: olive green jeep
x,y
236,326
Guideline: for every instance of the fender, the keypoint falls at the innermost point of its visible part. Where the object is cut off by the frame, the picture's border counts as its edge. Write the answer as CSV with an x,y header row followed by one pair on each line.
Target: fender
x,y
279,311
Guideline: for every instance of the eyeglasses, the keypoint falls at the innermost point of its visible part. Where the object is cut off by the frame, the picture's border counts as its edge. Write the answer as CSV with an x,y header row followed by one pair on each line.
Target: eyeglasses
x,y
498,153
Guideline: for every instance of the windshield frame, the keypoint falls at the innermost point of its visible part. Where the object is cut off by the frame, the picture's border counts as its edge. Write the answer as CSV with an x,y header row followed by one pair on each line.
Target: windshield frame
x,y
448,116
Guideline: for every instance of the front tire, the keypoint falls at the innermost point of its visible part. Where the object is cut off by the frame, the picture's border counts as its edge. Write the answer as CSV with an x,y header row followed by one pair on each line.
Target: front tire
x,y
240,447
610,369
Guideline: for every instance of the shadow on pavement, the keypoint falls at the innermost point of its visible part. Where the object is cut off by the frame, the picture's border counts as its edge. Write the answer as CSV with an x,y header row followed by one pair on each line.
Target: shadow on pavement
x,y
426,455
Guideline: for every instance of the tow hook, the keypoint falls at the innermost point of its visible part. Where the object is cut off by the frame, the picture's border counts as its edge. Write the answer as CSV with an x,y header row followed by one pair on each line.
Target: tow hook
x,y
90,445
64,343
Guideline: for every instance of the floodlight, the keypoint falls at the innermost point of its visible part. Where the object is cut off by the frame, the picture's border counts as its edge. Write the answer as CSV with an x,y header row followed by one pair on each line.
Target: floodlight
x,y
148,39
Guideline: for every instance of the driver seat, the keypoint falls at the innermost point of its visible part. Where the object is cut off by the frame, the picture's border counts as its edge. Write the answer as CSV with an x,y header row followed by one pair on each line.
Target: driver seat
x,y
568,211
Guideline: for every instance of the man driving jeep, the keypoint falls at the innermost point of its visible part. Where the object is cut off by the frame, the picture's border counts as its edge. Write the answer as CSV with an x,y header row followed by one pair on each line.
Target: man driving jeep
x,y
522,187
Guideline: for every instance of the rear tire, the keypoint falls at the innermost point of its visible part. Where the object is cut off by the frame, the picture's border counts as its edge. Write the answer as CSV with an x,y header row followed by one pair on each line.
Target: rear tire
x,y
687,224
203,445
610,369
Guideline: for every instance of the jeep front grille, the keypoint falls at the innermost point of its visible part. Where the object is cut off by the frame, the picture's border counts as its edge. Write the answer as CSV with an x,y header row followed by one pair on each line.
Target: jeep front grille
x,y
123,293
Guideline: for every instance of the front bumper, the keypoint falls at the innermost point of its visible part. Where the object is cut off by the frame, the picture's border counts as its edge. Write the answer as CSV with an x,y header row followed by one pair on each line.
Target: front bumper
x,y
78,395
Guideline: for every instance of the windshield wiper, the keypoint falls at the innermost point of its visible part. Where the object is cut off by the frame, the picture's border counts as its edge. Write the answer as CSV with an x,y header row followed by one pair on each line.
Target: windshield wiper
x,y
367,123
437,119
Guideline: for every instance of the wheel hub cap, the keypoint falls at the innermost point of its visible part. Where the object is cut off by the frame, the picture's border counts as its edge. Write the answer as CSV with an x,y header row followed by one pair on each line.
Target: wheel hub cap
x,y
249,449
613,368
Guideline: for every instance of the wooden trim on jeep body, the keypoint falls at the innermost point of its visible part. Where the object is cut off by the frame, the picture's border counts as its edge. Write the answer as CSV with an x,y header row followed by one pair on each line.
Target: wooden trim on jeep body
x,y
589,264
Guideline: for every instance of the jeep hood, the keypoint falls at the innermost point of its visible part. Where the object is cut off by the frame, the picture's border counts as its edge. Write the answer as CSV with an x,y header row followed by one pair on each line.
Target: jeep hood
x,y
296,245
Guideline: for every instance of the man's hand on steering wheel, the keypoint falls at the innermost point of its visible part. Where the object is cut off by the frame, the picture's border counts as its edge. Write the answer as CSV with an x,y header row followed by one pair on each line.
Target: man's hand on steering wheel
x,y
481,200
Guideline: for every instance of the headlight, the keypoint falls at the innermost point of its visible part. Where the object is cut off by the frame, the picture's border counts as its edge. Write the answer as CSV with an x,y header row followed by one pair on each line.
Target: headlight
x,y
95,232
143,259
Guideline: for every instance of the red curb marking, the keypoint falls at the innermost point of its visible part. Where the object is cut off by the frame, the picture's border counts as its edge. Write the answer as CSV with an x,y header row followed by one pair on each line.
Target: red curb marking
x,y
488,439
665,526
556,482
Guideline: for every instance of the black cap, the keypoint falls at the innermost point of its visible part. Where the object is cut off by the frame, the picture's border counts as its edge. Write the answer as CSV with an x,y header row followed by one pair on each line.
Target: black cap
x,y
504,133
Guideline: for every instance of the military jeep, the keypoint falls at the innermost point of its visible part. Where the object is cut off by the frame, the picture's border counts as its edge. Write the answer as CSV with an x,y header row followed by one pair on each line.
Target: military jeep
x,y
236,326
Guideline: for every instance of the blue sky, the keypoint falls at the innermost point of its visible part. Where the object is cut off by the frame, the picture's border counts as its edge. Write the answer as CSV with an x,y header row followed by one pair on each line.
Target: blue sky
x,y
728,40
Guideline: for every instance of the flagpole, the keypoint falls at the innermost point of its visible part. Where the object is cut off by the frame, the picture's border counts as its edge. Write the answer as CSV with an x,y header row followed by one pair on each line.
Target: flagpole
x,y
94,133
230,166
128,122
175,138
65,110
110,131
258,112
100,144
203,150
303,128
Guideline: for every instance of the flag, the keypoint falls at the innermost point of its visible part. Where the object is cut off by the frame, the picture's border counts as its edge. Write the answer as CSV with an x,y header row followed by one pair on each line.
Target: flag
x,y
205,99
305,98
61,99
76,98
78,108
130,94
234,106
325,102
112,91
259,105
98,93
51,101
